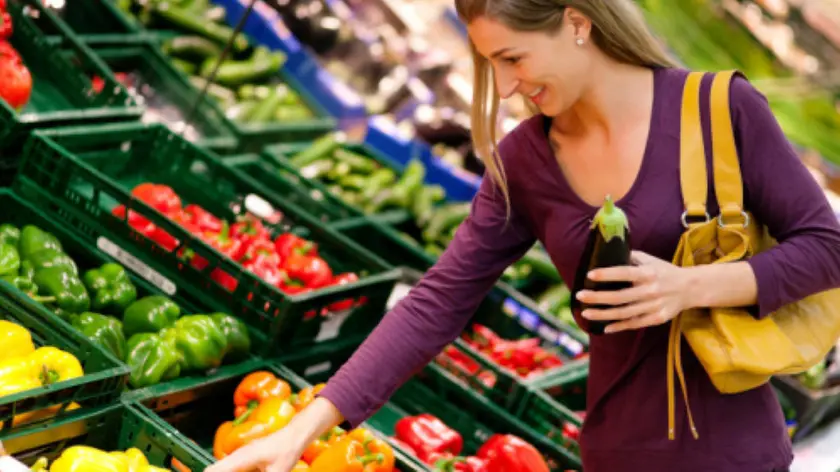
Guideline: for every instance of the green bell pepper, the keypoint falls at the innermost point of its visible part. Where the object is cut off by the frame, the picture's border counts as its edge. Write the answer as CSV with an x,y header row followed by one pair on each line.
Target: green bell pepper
x,y
9,259
9,234
102,330
236,332
34,239
23,282
152,359
149,315
110,289
201,343
67,289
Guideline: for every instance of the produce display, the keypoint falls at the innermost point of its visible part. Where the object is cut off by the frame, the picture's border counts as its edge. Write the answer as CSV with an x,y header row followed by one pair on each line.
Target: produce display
x,y
246,84
149,334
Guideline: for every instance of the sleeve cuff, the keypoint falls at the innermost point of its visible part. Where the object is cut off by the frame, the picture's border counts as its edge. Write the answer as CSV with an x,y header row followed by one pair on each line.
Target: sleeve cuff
x,y
766,281
343,401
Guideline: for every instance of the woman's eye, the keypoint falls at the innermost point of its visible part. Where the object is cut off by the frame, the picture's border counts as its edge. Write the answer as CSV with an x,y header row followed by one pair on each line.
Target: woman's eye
x,y
511,60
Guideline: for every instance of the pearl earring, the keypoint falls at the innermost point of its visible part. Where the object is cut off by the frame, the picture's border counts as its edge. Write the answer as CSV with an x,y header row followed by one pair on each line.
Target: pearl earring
x,y
579,41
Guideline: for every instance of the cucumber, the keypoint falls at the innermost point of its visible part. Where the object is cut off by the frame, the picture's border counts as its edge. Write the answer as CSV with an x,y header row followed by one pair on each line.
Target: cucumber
x,y
555,298
187,20
265,110
184,66
380,179
423,205
193,48
339,171
317,169
444,219
357,162
608,245
542,264
254,92
353,182
410,183
236,73
321,147
242,110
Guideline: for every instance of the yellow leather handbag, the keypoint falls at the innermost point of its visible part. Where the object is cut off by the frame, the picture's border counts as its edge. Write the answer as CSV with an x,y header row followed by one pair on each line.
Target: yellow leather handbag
x,y
738,351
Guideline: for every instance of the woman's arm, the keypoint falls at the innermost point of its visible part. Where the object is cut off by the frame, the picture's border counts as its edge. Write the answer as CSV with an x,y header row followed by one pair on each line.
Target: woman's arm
x,y
437,309
782,194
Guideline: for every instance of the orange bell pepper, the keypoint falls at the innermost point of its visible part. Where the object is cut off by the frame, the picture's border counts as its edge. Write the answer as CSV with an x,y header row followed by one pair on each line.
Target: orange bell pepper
x,y
271,415
301,467
377,447
256,387
347,455
306,396
321,444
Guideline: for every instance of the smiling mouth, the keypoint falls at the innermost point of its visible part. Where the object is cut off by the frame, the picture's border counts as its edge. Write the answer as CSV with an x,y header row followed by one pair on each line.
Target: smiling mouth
x,y
536,92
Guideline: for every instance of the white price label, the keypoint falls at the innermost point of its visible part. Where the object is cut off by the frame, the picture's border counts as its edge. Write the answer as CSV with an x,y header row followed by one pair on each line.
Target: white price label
x,y
332,325
399,292
139,267
10,464
317,368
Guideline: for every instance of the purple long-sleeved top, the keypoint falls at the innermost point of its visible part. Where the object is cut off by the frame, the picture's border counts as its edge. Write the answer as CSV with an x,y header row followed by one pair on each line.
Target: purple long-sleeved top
x,y
626,423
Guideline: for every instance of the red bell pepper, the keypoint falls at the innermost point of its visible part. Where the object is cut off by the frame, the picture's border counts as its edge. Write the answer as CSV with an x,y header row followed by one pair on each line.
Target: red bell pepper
x,y
343,279
224,243
138,222
15,79
249,229
509,453
429,437
288,244
158,196
310,271
484,337
265,269
202,219
571,431
227,281
262,250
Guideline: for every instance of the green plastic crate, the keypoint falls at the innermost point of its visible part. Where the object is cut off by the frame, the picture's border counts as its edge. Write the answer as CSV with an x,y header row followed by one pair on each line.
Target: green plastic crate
x,y
62,91
84,173
436,391
105,377
551,420
197,409
93,18
167,94
567,386
114,428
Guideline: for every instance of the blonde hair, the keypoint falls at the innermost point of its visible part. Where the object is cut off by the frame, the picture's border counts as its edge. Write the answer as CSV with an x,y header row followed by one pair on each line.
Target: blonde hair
x,y
618,29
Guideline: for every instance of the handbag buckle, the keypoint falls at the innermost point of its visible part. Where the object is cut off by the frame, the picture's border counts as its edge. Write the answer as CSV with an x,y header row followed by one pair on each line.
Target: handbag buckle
x,y
684,218
744,215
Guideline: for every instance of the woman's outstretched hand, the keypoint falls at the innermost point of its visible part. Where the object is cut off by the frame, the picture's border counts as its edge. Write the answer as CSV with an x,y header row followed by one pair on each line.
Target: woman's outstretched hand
x,y
280,451
659,293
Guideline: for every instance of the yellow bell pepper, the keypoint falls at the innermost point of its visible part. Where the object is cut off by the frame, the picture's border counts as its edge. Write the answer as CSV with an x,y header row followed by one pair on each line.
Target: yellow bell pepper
x,y
54,365
88,459
15,340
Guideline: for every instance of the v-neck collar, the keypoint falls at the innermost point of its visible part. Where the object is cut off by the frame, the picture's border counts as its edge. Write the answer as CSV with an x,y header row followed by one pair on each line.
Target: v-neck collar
x,y
540,134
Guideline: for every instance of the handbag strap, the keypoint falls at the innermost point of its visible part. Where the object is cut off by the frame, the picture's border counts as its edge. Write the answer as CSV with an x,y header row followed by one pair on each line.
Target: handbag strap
x,y
693,179
729,189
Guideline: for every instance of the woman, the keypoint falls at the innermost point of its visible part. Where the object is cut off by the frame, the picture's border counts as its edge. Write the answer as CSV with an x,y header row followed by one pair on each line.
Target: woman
x,y
608,124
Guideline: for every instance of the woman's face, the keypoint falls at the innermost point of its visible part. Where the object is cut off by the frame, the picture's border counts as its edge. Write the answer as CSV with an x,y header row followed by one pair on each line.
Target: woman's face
x,y
548,69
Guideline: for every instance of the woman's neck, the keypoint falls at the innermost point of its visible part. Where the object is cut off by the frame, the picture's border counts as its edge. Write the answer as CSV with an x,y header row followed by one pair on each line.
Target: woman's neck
x,y
617,96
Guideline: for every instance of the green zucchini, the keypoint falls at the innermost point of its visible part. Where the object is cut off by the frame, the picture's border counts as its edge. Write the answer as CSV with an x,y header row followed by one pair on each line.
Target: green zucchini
x,y
221,94
321,147
287,113
192,48
254,92
339,171
554,298
265,110
444,219
353,182
380,179
542,264
182,65
357,162
423,205
608,245
317,169
236,73
187,20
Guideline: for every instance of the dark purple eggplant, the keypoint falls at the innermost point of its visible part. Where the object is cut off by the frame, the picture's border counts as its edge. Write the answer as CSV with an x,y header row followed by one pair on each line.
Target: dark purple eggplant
x,y
608,245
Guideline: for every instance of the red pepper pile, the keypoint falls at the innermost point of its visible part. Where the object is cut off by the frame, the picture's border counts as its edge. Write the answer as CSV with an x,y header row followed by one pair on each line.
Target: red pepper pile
x,y
15,79
287,262
438,445
524,356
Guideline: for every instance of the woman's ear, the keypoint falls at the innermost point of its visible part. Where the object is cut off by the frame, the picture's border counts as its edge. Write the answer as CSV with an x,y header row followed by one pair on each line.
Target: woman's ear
x,y
581,24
